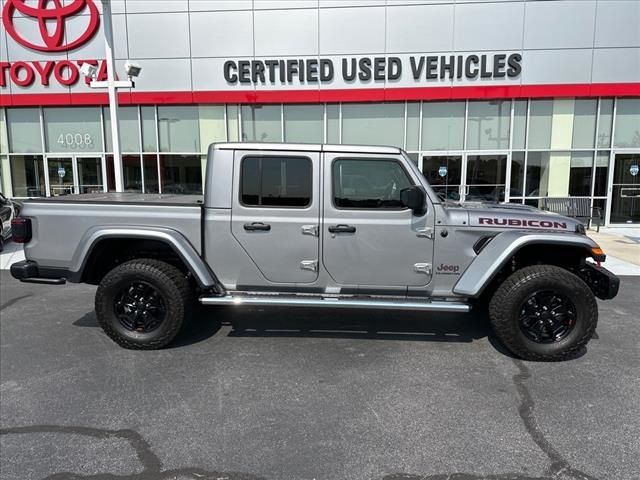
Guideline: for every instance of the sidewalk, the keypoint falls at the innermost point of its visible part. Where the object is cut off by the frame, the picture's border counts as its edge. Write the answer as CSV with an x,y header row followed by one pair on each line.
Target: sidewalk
x,y
622,246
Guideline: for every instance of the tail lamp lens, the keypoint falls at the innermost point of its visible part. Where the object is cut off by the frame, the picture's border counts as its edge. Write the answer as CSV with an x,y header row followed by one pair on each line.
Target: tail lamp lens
x,y
21,230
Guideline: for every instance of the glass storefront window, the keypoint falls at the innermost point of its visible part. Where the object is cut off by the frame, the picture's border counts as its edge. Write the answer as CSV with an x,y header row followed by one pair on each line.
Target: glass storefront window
x,y
212,126
4,140
178,129
486,178
584,123
131,173
540,119
488,125
27,175
149,136
23,128
333,124
181,174
129,129
442,125
601,173
517,174
90,174
232,123
605,123
580,174
150,165
373,124
413,126
627,133
537,178
444,174
72,129
261,123
519,124
304,123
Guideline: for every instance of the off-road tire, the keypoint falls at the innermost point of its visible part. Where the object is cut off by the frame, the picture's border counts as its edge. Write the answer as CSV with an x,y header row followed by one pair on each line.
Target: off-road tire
x,y
506,303
172,285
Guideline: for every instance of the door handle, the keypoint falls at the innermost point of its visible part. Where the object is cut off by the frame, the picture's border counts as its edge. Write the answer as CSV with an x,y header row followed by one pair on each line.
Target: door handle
x,y
342,228
257,226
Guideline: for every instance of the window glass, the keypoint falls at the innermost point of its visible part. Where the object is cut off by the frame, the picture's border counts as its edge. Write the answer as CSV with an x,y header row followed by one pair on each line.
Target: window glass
x,y
304,123
212,126
627,123
131,173
361,183
442,125
537,174
584,123
27,175
413,126
181,174
540,117
129,136
73,129
261,123
149,136
150,166
444,174
580,174
519,123
414,157
178,129
233,124
333,124
373,124
276,181
517,174
601,173
488,126
4,142
605,123
23,128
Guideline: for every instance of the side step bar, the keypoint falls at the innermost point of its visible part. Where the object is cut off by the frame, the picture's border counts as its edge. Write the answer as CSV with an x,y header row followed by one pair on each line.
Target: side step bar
x,y
332,302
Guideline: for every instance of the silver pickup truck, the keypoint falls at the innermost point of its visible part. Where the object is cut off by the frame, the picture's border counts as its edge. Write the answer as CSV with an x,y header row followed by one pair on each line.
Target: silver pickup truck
x,y
318,226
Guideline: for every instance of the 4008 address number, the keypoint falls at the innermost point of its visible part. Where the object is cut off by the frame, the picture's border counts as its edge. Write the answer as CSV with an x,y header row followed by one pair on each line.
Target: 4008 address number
x,y
75,140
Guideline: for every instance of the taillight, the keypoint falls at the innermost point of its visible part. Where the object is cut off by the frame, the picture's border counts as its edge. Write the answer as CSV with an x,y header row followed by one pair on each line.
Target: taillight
x,y
21,230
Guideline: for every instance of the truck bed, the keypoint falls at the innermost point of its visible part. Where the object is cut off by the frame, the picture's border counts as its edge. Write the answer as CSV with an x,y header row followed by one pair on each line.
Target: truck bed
x,y
62,226
124,198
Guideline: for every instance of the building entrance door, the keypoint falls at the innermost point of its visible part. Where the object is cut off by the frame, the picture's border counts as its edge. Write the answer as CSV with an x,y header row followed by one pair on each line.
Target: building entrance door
x,y
625,192
74,174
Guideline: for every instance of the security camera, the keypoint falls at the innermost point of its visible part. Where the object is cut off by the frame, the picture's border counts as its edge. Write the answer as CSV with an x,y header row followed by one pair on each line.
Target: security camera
x,y
132,69
88,70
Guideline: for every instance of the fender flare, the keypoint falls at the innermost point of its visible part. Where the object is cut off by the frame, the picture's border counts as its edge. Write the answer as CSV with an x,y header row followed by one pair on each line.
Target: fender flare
x,y
174,239
503,246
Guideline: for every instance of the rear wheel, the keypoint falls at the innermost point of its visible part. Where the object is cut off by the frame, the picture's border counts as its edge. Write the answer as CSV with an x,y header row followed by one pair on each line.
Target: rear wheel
x,y
544,312
142,304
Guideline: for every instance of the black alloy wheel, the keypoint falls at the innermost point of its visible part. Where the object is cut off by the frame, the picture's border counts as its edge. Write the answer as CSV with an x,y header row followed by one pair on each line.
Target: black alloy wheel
x,y
547,317
140,307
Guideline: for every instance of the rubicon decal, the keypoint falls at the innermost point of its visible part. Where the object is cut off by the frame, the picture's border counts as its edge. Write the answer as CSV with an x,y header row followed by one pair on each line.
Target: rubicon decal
x,y
52,16
518,222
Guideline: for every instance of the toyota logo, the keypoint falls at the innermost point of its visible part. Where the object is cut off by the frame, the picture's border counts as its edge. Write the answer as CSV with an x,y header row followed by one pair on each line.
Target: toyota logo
x,y
51,23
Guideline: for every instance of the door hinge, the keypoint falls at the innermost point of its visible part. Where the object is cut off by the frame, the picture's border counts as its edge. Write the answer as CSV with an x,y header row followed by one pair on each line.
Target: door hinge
x,y
422,268
311,265
310,230
424,232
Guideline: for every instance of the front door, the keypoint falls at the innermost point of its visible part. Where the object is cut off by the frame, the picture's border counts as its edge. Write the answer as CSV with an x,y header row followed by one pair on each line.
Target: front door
x,y
276,213
625,194
370,241
71,175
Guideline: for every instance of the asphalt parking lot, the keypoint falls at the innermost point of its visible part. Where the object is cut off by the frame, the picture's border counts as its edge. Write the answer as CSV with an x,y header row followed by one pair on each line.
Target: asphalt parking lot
x,y
309,395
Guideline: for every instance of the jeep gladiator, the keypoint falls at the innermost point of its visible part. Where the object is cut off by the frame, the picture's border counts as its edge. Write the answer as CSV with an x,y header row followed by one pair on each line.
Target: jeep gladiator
x,y
318,226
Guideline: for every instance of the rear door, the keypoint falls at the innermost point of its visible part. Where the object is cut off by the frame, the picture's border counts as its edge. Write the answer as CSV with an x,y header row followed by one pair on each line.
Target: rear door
x,y
276,213
369,238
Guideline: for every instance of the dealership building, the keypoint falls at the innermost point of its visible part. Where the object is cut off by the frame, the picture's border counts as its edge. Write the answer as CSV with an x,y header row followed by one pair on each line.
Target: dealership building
x,y
494,100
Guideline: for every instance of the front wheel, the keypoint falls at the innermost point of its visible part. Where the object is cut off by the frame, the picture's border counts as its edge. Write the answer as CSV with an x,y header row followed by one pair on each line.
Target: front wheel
x,y
142,304
544,312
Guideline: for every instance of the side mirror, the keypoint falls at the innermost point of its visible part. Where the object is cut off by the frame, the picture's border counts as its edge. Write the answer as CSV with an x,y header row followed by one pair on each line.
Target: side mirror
x,y
414,198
